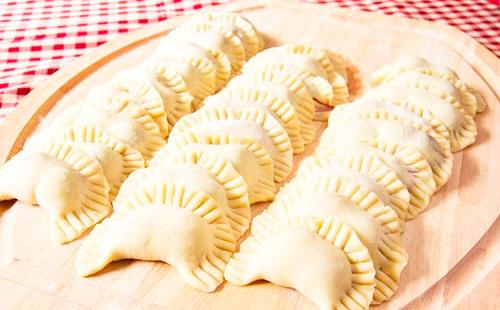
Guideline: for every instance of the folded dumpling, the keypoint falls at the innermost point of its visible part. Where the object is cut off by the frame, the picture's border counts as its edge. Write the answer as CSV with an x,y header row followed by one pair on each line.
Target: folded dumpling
x,y
250,159
67,183
201,172
460,98
385,131
461,126
164,222
289,86
117,159
373,109
248,122
418,64
249,36
176,49
214,37
322,259
301,200
280,109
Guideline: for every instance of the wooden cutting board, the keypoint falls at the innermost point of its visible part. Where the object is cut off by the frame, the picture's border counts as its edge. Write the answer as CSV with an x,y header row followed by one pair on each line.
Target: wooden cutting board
x,y
454,246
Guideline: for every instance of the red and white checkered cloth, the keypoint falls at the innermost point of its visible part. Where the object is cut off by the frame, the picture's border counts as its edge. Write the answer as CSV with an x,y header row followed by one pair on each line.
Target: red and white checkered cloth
x,y
38,36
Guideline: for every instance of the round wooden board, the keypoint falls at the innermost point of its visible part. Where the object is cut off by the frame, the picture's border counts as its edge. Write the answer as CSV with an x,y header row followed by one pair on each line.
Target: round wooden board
x,y
454,246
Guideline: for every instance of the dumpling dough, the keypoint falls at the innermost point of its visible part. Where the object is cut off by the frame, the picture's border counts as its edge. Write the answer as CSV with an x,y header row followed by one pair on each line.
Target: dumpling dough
x,y
249,122
250,38
261,186
389,257
64,181
322,259
393,132
165,222
461,126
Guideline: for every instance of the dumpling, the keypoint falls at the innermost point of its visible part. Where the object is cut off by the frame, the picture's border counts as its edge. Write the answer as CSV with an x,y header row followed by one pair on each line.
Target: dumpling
x,y
248,122
193,53
322,259
250,38
280,109
360,167
301,66
164,222
124,120
174,100
384,131
461,126
365,196
420,189
138,90
117,159
285,85
418,64
196,76
389,257
331,62
373,109
214,36
64,181
459,98
201,172
250,160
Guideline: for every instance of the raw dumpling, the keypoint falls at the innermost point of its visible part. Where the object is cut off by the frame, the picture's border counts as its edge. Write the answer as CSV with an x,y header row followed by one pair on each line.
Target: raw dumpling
x,y
250,38
196,76
301,66
322,259
64,181
389,257
373,109
248,122
384,131
414,63
362,166
203,172
250,160
364,196
193,53
124,120
457,97
281,110
136,89
167,222
174,100
461,126
117,159
214,36
419,188
285,85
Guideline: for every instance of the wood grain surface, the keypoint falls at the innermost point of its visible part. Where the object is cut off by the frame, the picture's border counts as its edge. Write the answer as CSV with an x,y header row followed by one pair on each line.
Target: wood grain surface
x,y
454,246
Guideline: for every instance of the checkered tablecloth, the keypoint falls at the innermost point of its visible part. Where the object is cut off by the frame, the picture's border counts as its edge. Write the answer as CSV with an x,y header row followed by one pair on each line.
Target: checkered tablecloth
x,y
38,36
